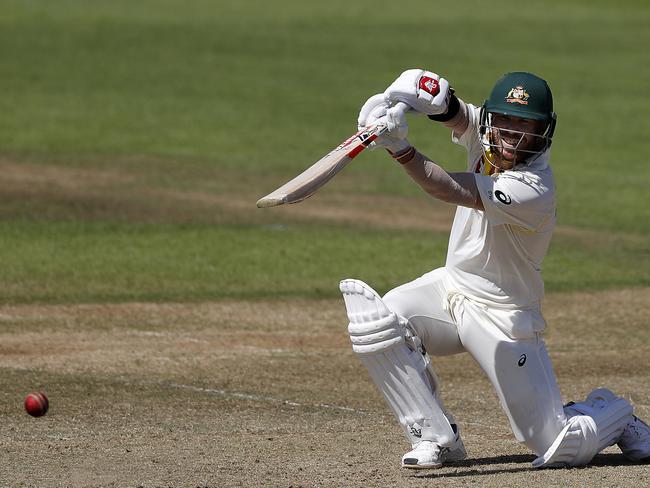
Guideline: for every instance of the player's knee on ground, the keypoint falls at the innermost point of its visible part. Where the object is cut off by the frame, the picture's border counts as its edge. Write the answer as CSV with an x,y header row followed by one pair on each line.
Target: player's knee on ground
x,y
592,426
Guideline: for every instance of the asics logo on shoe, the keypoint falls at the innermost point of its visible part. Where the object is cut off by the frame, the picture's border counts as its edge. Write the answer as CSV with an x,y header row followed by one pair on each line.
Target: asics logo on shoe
x,y
415,432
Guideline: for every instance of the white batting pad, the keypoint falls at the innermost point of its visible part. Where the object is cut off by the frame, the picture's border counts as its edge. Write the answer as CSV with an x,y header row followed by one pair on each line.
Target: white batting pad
x,y
591,427
399,371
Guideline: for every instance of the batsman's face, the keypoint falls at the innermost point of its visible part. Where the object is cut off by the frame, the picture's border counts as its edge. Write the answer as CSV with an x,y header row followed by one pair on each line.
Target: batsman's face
x,y
515,138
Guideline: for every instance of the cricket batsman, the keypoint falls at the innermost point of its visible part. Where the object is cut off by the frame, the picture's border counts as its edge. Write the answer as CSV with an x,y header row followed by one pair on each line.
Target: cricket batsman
x,y
485,301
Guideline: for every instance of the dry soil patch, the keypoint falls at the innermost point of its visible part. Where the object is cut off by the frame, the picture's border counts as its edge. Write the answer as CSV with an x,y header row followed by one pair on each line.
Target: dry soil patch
x,y
268,393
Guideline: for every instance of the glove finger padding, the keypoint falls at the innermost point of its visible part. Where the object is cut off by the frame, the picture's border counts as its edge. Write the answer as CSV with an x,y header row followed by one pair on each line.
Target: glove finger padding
x,y
424,91
376,110
394,139
397,124
371,111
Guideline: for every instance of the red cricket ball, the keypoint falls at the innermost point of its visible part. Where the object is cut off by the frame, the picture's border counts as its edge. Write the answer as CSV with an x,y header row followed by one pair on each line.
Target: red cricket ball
x,y
36,404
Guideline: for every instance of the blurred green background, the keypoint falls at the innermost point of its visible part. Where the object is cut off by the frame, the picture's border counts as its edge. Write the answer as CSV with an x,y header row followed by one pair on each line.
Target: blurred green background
x,y
135,138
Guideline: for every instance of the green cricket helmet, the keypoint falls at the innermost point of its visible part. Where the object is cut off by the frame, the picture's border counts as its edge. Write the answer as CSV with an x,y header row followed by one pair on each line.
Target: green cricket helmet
x,y
524,95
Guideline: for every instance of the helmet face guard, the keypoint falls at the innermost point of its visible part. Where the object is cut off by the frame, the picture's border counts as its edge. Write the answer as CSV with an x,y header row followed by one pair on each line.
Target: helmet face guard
x,y
492,140
526,96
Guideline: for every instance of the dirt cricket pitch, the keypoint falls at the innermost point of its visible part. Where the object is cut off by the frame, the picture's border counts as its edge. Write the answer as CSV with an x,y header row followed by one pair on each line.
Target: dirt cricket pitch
x,y
239,393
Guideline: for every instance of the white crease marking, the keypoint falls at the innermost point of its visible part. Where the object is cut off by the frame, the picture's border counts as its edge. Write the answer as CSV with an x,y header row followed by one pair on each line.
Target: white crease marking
x,y
260,398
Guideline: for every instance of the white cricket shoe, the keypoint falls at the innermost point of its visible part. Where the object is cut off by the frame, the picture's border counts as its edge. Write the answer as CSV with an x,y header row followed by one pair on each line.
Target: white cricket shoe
x,y
429,455
635,441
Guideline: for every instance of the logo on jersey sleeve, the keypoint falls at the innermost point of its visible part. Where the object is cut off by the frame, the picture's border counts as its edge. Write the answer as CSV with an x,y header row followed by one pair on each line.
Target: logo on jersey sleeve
x,y
502,197
517,94
429,85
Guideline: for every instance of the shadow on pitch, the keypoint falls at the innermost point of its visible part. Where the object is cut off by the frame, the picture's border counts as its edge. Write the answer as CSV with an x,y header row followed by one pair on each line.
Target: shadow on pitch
x,y
477,466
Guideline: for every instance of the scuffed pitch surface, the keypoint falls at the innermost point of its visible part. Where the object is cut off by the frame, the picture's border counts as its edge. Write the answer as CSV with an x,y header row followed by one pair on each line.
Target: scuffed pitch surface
x,y
270,394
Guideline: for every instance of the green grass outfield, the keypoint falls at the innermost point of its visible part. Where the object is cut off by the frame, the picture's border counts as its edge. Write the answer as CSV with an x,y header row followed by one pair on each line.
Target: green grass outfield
x,y
98,262
231,98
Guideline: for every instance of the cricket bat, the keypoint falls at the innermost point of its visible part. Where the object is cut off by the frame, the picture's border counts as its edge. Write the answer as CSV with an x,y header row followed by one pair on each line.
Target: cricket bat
x,y
309,181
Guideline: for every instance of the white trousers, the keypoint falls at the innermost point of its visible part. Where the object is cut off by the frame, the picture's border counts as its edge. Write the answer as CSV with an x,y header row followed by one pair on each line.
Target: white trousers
x,y
519,368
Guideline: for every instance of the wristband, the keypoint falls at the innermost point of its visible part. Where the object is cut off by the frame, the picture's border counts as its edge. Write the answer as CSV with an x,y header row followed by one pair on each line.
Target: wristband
x,y
452,110
405,156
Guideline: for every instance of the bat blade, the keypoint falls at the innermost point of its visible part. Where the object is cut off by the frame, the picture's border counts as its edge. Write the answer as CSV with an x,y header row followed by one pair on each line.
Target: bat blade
x,y
309,181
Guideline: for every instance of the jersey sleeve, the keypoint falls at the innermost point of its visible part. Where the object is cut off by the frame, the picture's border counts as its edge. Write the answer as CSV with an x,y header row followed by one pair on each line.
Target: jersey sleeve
x,y
517,199
470,138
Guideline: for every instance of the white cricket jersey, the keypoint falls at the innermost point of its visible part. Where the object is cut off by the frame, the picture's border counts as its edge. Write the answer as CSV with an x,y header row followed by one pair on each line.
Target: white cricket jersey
x,y
495,255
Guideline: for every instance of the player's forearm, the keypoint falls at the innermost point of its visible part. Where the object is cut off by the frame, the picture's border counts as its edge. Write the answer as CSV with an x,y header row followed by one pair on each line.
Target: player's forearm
x,y
456,188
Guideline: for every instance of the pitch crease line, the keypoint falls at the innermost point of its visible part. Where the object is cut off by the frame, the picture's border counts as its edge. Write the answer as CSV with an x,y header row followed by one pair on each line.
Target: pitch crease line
x,y
260,398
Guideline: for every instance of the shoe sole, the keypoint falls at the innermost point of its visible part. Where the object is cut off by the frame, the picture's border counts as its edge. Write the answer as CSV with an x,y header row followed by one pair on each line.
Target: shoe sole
x,y
451,458
415,465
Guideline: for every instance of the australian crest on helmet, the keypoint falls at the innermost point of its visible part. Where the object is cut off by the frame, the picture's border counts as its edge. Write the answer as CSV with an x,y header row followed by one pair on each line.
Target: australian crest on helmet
x,y
517,94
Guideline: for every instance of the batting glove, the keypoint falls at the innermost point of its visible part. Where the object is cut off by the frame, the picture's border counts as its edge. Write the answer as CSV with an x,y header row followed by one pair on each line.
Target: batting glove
x,y
375,111
424,91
